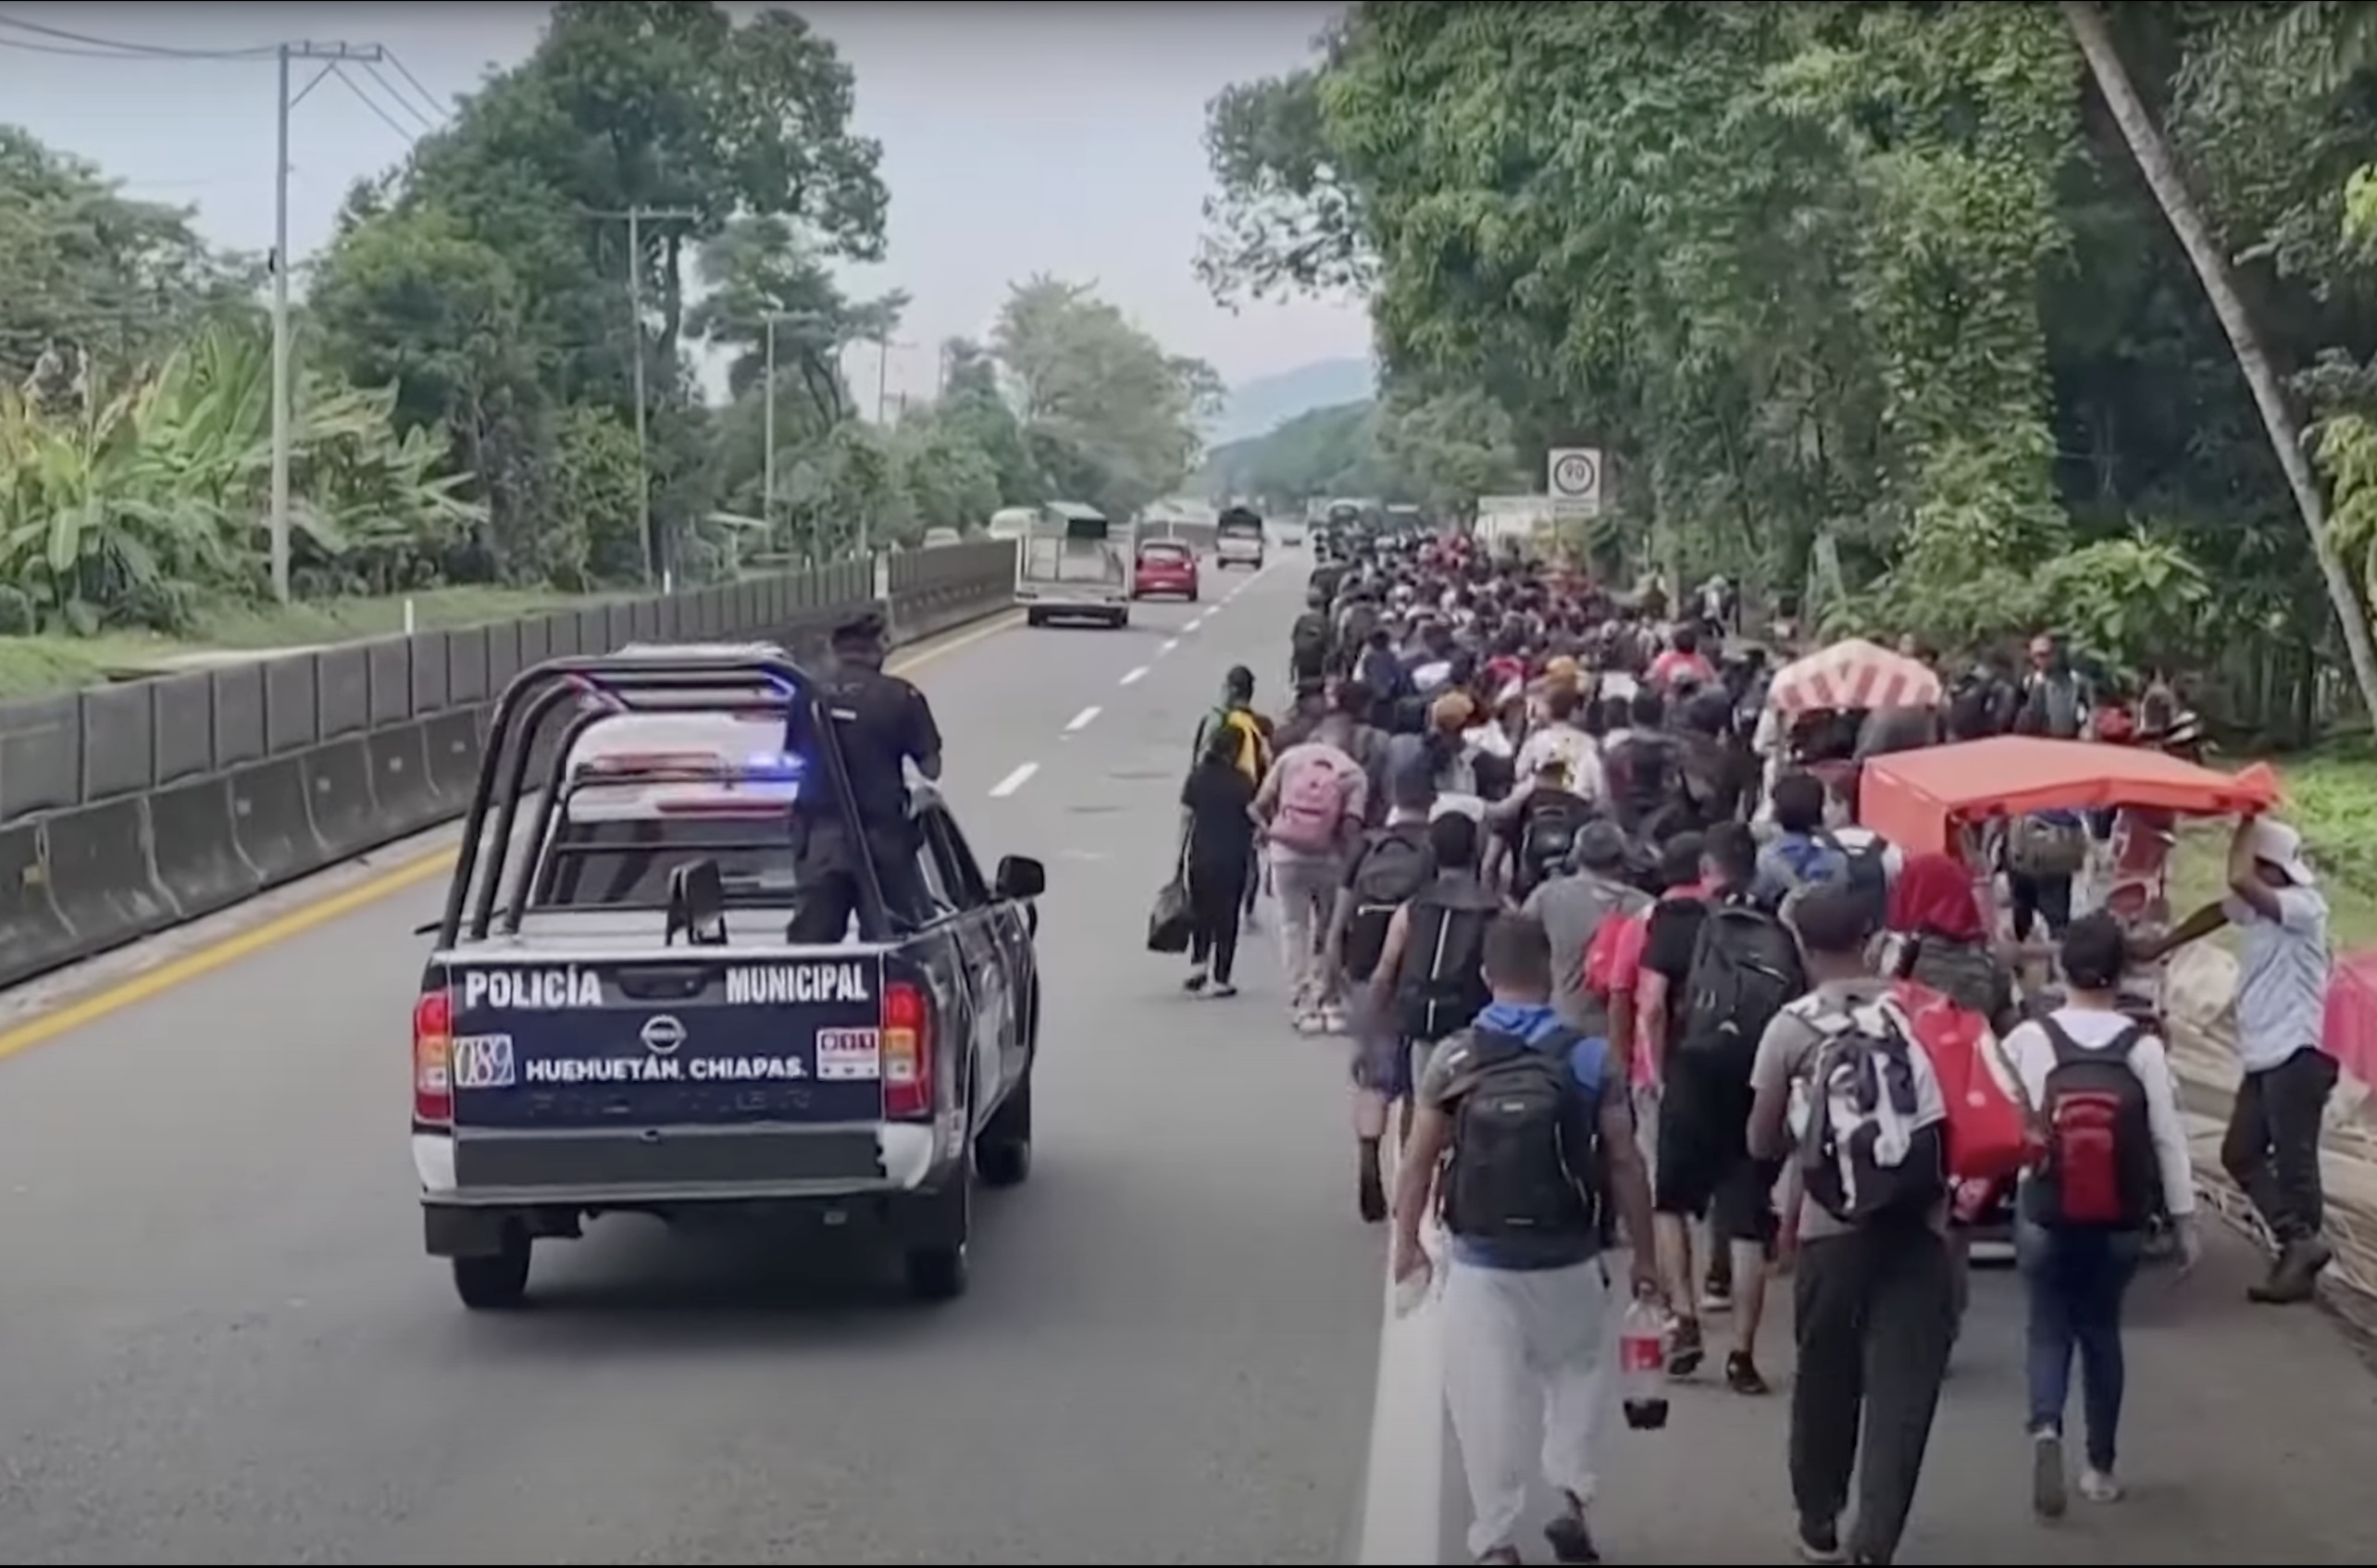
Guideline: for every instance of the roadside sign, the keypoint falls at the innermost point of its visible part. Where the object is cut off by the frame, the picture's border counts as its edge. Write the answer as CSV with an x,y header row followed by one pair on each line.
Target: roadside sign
x,y
1575,481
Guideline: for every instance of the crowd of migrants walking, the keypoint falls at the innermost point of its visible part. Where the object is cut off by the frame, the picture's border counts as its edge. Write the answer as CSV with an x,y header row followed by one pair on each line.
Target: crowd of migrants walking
x,y
1660,1015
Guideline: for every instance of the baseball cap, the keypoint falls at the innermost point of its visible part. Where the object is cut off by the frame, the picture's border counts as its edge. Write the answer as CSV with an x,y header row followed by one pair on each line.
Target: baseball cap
x,y
2273,843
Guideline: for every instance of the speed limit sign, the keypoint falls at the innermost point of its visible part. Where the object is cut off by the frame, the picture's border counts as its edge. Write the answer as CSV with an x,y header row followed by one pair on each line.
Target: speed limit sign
x,y
1575,481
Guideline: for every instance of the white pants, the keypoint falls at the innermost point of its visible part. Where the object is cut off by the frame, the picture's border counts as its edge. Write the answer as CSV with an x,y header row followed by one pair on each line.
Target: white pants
x,y
1525,1377
1307,887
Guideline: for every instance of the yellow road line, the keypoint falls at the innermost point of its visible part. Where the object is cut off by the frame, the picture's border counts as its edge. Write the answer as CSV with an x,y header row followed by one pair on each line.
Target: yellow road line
x,y
73,1015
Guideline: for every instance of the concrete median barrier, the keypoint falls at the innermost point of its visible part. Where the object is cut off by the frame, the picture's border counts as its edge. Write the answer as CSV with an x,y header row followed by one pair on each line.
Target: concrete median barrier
x,y
338,793
453,745
128,809
38,938
102,875
400,785
272,824
199,866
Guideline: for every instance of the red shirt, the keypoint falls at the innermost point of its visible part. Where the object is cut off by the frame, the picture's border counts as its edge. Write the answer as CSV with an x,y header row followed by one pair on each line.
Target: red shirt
x,y
1671,665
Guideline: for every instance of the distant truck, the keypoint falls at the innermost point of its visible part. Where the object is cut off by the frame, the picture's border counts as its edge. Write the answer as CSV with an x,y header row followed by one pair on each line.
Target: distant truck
x,y
1074,564
1237,539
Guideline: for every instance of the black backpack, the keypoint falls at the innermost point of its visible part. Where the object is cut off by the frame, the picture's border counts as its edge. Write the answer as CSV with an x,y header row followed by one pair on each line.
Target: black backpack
x,y
1745,969
1442,985
1648,774
1548,830
1309,639
2100,1170
1867,868
1395,864
1526,1146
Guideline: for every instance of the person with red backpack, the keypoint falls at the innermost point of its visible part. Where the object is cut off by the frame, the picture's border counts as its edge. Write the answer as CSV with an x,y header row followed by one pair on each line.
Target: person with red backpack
x,y
2112,1148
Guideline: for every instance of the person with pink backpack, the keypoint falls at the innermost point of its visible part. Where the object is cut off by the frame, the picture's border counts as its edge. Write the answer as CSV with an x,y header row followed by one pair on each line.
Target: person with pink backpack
x,y
1312,806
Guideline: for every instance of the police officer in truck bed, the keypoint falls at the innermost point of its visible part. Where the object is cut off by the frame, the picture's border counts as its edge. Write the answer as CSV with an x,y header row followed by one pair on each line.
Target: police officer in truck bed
x,y
883,724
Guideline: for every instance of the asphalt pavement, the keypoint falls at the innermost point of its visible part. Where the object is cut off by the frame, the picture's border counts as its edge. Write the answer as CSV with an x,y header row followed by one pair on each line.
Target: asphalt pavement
x,y
222,1343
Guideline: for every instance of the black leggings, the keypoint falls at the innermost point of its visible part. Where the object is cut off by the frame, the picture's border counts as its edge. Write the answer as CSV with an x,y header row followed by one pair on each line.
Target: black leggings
x,y
1214,908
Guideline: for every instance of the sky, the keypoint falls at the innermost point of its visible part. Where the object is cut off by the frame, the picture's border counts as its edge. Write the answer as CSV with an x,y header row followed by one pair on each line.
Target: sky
x,y
1017,139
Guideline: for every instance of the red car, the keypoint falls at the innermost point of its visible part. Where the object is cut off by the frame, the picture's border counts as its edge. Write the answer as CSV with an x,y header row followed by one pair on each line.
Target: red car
x,y
1164,567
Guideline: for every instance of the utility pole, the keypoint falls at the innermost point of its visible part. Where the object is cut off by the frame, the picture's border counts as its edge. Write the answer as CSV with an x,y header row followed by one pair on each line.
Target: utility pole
x,y
767,437
637,217
330,55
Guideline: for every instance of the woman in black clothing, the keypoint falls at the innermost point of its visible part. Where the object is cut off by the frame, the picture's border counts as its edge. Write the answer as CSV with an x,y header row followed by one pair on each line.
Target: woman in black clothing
x,y
1218,807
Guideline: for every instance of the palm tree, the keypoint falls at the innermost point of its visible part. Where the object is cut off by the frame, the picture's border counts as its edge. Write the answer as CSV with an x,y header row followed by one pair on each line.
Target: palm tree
x,y
2159,165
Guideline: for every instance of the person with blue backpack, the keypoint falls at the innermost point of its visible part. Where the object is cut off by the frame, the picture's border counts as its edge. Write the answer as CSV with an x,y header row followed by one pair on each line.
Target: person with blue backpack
x,y
1802,855
1524,1126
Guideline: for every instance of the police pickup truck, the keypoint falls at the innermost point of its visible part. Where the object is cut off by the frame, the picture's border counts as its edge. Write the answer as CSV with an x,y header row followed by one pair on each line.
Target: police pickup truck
x,y
615,1018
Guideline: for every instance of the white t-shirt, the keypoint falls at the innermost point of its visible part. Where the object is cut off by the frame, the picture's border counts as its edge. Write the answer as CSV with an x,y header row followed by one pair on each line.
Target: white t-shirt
x,y
2031,1055
1570,746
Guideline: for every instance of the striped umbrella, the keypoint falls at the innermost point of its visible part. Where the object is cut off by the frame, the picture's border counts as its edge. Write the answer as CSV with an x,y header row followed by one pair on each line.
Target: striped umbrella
x,y
1855,674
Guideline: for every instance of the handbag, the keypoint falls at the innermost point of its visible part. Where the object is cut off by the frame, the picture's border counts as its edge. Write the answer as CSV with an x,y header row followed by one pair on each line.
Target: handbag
x,y
1169,927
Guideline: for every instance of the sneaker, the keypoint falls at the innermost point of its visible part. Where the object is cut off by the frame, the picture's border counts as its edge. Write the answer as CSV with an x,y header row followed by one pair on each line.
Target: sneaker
x,y
1569,1539
1685,1351
2098,1486
1333,1020
1194,983
1820,1542
1224,991
1715,1297
1742,1374
1499,1554
2047,1497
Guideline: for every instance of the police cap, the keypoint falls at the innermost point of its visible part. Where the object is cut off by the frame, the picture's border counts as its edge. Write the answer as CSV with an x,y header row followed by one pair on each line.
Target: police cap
x,y
862,630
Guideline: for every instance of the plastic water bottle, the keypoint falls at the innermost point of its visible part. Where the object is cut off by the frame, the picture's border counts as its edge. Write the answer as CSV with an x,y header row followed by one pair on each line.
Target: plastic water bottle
x,y
1642,1366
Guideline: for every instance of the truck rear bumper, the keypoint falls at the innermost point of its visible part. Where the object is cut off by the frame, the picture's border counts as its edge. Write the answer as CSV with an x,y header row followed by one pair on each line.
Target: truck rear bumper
x,y
614,1170
916,1195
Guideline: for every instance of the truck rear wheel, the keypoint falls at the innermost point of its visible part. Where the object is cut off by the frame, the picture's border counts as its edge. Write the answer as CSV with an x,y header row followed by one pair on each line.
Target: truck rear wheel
x,y
939,1270
494,1282
1002,1150
1033,618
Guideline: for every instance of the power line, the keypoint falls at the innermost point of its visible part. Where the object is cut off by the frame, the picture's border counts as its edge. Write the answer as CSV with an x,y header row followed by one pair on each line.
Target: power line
x,y
397,96
366,99
120,47
437,106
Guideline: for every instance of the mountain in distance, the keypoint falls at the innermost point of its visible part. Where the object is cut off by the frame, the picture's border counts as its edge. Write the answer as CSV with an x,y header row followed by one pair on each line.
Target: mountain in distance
x,y
1264,404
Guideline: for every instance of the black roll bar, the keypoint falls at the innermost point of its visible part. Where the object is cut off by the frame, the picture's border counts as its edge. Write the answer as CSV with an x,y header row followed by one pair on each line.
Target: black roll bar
x,y
635,683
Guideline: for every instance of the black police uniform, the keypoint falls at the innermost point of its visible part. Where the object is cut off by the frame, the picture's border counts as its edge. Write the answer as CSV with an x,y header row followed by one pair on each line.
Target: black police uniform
x,y
882,723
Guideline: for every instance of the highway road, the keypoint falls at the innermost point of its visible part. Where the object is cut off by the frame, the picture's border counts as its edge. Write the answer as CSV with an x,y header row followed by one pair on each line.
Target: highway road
x,y
222,1344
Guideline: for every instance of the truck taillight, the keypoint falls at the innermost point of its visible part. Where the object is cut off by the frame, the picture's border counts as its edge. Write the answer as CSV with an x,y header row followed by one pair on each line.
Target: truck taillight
x,y
433,1057
907,1052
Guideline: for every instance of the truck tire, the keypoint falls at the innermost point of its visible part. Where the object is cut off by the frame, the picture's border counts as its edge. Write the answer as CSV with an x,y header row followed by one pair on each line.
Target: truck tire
x,y
1034,618
942,1271
494,1282
1002,1150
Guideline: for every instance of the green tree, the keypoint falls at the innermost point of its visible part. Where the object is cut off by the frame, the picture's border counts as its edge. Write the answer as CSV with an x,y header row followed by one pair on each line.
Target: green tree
x,y
671,108
95,277
1109,417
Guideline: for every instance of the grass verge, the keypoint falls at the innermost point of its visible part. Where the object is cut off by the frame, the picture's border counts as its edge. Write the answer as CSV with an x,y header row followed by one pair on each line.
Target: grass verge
x,y
41,666
2331,799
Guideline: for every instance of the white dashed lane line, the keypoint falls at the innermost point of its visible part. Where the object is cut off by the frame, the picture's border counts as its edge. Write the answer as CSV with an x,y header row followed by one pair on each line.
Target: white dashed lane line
x,y
1013,781
1083,719
1169,644
1192,626
1132,677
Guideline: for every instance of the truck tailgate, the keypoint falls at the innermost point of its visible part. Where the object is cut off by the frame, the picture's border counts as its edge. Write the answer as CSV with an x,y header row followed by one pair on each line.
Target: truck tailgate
x,y
666,1040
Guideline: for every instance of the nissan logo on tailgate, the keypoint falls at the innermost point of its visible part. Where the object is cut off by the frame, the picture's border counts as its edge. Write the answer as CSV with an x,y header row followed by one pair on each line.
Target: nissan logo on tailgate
x,y
662,1034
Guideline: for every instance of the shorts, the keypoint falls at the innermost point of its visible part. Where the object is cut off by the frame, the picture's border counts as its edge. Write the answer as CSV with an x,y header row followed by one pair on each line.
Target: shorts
x,y
1704,1168
1384,1062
